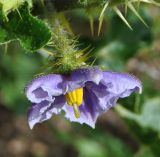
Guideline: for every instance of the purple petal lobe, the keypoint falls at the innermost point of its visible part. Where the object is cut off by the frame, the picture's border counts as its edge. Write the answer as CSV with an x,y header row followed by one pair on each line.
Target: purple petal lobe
x,y
79,77
36,111
43,111
110,89
121,84
103,98
45,87
40,93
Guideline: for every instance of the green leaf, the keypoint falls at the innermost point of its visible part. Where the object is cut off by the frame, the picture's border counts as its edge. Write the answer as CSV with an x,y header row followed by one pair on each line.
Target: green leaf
x,y
144,152
149,117
89,148
9,5
30,31
101,145
16,69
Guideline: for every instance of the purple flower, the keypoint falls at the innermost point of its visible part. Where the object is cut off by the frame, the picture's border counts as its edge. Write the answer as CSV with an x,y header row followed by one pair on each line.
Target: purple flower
x,y
83,95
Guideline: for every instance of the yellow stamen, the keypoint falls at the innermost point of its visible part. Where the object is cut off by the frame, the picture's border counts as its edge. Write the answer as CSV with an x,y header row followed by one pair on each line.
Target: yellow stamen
x,y
79,96
73,95
75,99
68,100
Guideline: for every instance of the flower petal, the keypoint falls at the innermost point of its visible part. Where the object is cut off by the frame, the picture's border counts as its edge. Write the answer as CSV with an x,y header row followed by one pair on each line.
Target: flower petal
x,y
45,87
35,112
121,84
79,77
43,111
111,88
103,98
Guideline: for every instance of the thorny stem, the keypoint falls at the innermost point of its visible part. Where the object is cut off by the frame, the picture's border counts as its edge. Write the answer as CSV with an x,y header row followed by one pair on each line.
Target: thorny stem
x,y
63,5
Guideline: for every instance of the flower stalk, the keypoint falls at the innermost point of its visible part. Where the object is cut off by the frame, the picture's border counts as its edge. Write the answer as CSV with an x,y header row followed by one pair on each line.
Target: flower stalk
x,y
66,56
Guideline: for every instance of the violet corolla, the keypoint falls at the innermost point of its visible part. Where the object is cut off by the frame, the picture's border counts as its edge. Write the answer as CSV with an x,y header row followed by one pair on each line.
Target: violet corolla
x,y
83,95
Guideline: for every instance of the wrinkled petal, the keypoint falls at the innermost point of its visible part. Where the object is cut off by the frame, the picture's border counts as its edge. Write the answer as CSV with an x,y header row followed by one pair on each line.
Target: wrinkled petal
x,y
36,111
43,111
79,77
104,99
101,92
121,84
89,110
45,88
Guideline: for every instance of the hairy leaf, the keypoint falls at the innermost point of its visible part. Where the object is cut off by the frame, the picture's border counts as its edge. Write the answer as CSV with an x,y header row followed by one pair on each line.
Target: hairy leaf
x,y
21,25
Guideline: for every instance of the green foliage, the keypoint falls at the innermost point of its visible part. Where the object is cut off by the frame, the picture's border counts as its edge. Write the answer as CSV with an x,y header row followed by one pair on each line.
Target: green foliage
x,y
93,143
149,116
6,6
16,69
89,148
30,31
102,146
144,152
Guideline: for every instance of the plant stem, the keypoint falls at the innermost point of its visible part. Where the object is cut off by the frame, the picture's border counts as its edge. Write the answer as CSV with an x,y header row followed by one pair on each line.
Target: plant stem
x,y
63,5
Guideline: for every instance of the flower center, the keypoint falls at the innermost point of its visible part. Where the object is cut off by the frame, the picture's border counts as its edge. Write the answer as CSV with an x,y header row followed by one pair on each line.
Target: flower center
x,y
75,99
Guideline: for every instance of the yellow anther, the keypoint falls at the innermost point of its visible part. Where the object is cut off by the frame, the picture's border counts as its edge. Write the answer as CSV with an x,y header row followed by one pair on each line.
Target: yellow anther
x,y
79,96
69,102
75,99
73,95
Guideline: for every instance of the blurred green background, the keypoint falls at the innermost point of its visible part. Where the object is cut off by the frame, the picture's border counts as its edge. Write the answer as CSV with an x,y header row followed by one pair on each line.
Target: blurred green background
x,y
131,129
